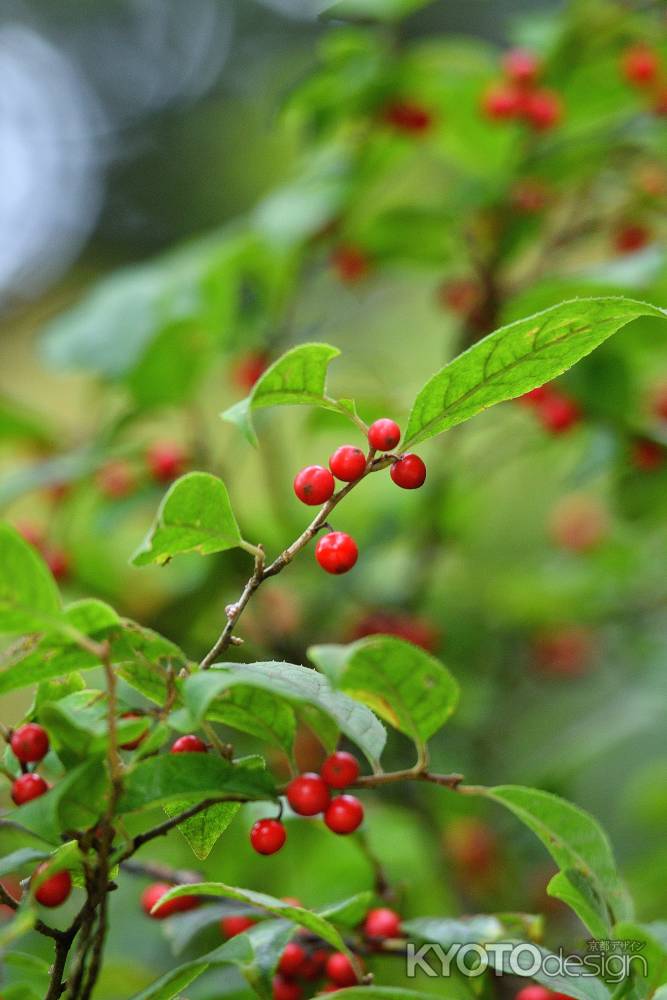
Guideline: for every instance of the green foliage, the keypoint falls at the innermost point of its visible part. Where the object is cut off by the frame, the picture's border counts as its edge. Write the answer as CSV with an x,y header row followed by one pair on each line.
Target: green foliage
x,y
29,598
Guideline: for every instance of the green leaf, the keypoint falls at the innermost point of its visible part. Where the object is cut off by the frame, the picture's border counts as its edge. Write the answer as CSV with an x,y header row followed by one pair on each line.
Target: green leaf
x,y
386,993
589,881
171,777
298,685
584,987
203,831
29,598
654,952
74,802
296,378
18,859
195,516
78,725
517,358
258,712
170,369
404,685
376,10
446,931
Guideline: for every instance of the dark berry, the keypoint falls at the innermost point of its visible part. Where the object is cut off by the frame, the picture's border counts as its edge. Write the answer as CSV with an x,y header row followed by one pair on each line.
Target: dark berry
x,y
384,434
188,744
233,925
647,455
54,890
314,485
382,923
336,552
340,769
30,743
408,116
314,964
348,463
268,836
344,814
409,472
308,794
28,787
152,895
340,970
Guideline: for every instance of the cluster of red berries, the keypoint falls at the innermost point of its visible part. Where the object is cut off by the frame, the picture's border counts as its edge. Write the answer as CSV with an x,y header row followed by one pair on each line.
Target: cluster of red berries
x,y
517,97
164,462
55,557
309,795
337,552
641,67
556,411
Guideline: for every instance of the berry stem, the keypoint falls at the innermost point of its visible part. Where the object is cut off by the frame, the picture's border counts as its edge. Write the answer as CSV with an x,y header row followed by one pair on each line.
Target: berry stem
x,y
350,414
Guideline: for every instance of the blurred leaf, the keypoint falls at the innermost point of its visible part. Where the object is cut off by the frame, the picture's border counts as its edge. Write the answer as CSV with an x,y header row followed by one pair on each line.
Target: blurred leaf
x,y
348,912
297,685
20,924
401,683
575,987
170,369
19,424
377,10
29,598
517,358
195,516
18,859
654,952
297,378
446,931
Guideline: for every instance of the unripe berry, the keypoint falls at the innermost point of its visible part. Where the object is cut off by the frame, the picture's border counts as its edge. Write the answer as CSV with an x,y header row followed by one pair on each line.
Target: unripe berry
x,y
336,552
640,65
314,485
115,479
28,787
344,814
152,895
188,744
384,434
409,472
350,263
408,116
340,970
521,67
631,238
308,794
166,461
501,102
292,959
340,769
54,890
647,455
286,989
132,744
534,992
268,836
233,925
30,743
348,463
543,109
382,923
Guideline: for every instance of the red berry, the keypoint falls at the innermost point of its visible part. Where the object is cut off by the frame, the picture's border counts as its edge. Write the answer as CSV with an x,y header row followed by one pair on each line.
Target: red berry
x,y
543,109
166,461
31,533
640,65
418,631
382,923
462,296
350,263
534,993
564,652
631,238
384,434
340,769
558,413
336,552
30,743
133,744
54,890
152,895
408,116
502,102
314,485
521,67
409,472
344,814
286,989
188,744
268,836
536,396
647,455
340,970
233,925
314,964
308,794
116,479
348,463
58,562
249,368
471,845
28,787
292,959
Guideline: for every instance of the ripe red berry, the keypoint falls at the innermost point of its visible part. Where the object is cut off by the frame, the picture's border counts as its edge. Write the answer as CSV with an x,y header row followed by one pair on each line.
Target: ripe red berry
x,y
58,562
502,102
152,895
631,238
408,116
292,959
536,396
348,463
384,434
640,65
314,485
409,472
314,965
166,461
462,296
418,631
534,992
54,890
350,263
29,743
233,925
543,109
286,989
382,923
188,744
344,814
558,413
116,479
564,652
132,744
647,455
308,794
268,836
28,787
340,769
521,67
336,552
249,368
472,845
340,970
